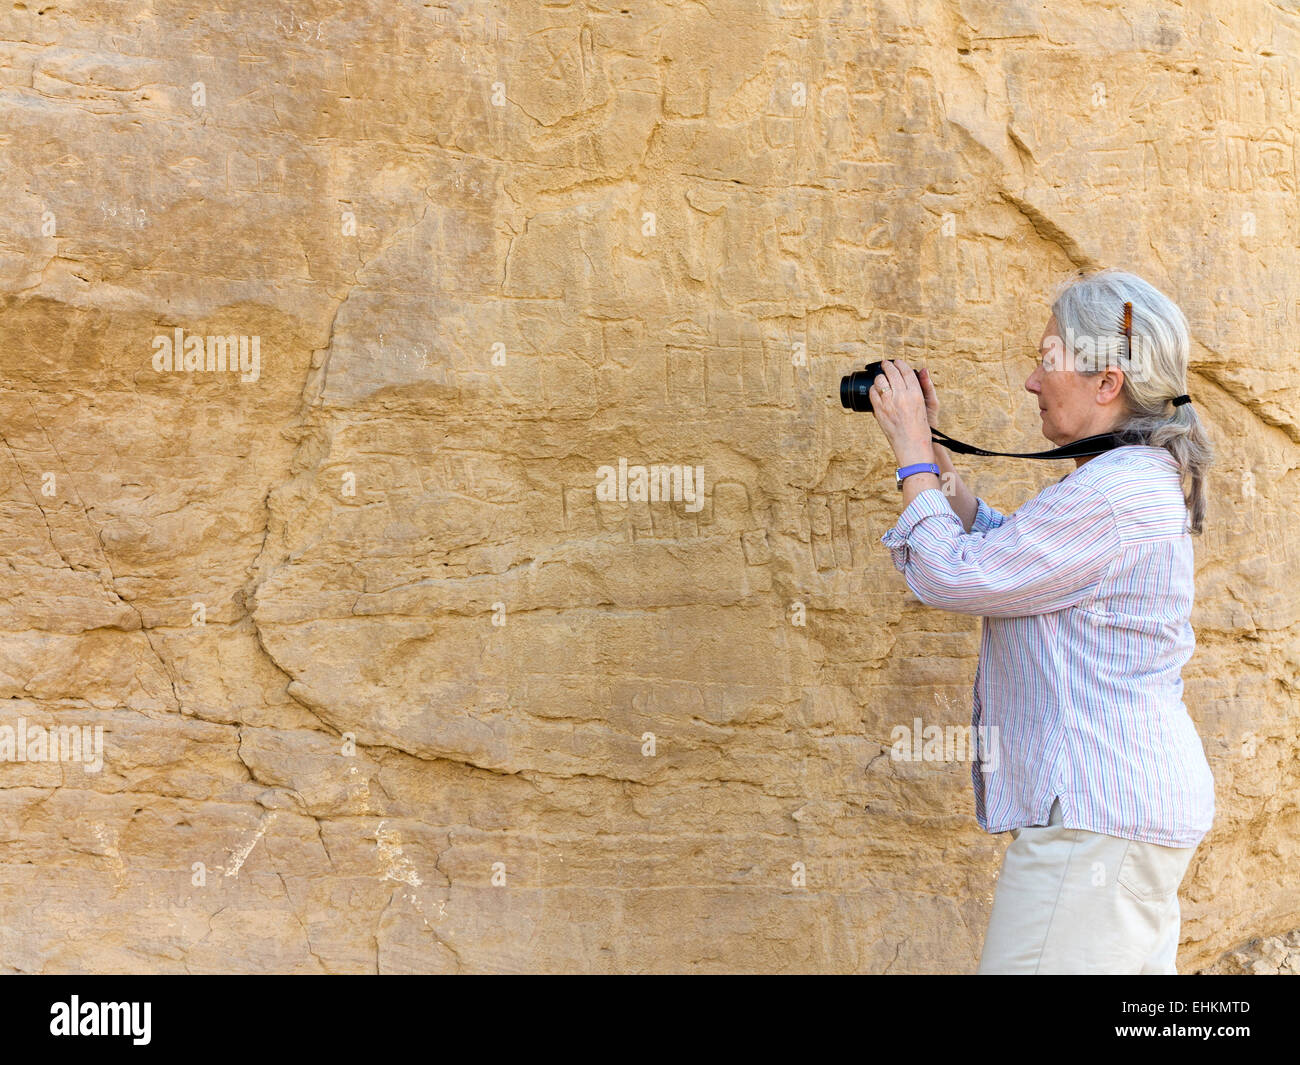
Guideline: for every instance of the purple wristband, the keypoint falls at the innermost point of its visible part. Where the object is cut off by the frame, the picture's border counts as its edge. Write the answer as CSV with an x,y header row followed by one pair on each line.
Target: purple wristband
x,y
916,467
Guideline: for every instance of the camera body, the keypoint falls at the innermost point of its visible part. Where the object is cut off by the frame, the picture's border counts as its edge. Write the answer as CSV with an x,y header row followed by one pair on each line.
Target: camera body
x,y
854,387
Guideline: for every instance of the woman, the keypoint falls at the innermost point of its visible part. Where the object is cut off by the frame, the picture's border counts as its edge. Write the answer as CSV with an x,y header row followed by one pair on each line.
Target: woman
x,y
1086,594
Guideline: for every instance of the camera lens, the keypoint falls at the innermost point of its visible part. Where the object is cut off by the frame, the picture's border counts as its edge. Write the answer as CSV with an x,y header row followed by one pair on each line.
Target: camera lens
x,y
855,391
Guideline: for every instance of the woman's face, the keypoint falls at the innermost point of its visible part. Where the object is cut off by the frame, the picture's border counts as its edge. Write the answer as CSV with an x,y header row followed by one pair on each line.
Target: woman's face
x,y
1072,405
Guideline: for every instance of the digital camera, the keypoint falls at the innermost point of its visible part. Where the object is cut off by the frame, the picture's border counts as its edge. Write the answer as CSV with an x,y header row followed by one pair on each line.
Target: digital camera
x,y
855,387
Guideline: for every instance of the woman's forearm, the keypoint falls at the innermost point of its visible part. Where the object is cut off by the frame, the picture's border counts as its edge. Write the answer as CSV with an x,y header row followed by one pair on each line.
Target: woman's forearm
x,y
960,498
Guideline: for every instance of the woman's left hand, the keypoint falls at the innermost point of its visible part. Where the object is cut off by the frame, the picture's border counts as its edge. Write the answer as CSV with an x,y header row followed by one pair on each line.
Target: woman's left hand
x,y
899,406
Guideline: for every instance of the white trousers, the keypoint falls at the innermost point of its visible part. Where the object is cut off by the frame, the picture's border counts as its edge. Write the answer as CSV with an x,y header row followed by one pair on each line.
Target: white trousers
x,y
1073,901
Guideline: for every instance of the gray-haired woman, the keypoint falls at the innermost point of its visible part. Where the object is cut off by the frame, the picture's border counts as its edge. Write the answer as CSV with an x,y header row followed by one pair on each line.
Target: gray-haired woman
x,y
1086,593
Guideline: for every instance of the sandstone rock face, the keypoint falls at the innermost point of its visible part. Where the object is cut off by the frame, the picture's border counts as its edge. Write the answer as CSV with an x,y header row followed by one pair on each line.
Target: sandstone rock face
x,y
1272,956
386,681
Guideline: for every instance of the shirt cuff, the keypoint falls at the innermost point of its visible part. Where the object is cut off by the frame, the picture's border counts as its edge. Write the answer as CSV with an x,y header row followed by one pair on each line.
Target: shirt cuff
x,y
929,503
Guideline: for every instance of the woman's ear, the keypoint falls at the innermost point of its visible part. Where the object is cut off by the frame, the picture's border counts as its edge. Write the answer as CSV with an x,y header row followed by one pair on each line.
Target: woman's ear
x,y
1111,387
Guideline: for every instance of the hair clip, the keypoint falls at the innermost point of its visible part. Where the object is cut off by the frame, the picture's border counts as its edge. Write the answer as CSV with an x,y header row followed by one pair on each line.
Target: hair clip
x,y
1128,332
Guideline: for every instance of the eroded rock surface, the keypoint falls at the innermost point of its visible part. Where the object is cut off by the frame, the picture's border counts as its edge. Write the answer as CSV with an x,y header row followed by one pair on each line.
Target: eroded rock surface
x,y
383,684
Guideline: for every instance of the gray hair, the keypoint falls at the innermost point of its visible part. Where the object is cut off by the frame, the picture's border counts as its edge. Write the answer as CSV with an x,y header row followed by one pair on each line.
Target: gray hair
x,y
1092,306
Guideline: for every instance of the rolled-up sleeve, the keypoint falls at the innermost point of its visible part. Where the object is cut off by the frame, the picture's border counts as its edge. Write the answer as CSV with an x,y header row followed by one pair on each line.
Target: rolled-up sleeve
x,y
986,517
1050,554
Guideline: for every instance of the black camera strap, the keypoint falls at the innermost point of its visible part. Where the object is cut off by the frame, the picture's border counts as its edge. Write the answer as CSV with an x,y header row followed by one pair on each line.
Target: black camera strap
x,y
1089,445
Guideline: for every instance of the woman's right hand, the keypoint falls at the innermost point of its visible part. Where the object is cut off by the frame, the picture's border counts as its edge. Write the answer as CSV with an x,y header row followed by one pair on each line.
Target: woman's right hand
x,y
931,398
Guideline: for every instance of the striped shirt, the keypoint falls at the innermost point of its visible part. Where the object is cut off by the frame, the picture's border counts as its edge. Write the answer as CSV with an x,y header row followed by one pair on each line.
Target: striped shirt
x,y
1086,595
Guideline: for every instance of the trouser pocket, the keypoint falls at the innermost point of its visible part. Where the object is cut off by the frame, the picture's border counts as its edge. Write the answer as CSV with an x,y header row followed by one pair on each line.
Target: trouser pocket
x,y
1151,872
